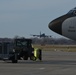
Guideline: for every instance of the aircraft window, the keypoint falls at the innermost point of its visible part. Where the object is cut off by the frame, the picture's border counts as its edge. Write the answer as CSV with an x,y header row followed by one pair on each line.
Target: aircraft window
x,y
71,11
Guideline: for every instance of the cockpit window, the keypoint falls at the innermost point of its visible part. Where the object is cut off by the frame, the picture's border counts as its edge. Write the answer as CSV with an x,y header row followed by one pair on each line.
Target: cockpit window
x,y
73,11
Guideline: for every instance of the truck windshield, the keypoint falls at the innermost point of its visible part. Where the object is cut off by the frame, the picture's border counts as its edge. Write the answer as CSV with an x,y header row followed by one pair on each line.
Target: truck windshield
x,y
21,43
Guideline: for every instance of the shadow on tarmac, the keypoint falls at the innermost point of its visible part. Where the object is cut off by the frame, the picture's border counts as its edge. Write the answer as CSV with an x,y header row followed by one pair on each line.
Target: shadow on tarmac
x,y
47,62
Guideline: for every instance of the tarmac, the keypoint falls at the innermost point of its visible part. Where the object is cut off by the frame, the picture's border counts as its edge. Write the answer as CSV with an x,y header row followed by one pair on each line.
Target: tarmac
x,y
53,63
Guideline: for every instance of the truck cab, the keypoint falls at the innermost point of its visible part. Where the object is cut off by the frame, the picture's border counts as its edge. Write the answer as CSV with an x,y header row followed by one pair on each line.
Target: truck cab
x,y
24,48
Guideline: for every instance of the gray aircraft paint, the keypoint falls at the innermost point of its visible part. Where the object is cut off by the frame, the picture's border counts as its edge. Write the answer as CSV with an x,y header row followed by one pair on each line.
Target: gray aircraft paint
x,y
69,28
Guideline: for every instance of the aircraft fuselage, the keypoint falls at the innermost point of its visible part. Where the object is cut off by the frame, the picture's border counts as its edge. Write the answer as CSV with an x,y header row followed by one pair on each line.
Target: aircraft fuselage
x,y
65,25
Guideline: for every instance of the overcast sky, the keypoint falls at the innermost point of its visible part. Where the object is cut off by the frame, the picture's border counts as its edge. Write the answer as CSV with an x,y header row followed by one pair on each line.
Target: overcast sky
x,y
25,17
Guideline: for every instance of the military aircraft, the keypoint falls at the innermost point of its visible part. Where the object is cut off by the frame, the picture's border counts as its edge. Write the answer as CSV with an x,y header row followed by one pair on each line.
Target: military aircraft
x,y
65,25
41,35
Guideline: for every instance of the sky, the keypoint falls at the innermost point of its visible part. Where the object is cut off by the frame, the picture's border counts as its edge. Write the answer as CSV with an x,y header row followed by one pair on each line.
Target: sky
x,y
25,17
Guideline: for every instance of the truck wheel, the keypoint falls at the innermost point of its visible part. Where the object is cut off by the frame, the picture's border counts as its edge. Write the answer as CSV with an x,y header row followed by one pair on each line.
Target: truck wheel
x,y
14,61
33,58
14,58
25,57
40,54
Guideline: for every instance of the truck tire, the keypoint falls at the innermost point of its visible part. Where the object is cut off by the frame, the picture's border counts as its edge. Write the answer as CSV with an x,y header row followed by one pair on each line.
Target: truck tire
x,y
25,57
33,58
40,54
14,61
14,58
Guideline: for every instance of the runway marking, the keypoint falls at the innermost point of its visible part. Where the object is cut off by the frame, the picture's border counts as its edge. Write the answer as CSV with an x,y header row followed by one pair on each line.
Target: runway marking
x,y
42,68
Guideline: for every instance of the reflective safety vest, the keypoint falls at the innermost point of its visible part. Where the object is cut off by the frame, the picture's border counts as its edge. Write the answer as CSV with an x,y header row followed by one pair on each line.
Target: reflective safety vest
x,y
36,52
